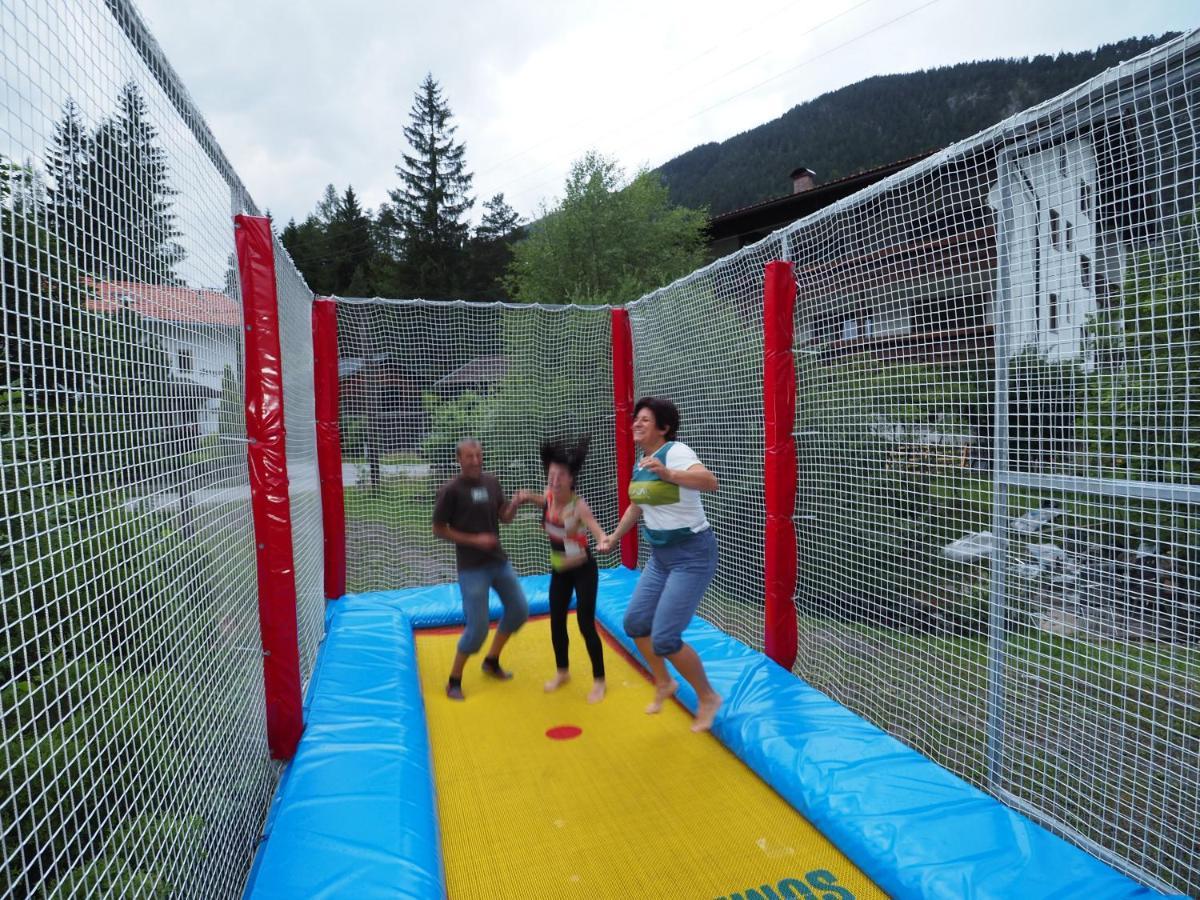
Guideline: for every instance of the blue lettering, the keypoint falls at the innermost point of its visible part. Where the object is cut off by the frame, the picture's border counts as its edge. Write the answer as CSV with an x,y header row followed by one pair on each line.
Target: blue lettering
x,y
822,880
795,888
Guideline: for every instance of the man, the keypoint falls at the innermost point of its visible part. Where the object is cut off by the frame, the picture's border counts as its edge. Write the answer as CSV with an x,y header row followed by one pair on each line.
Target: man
x,y
468,513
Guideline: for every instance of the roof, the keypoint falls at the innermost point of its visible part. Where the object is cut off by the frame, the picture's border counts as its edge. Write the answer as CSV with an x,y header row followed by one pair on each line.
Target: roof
x,y
480,369
165,302
780,210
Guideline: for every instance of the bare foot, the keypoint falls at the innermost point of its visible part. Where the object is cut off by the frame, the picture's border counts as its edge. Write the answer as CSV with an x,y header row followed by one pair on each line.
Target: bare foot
x,y
662,693
706,711
599,689
560,678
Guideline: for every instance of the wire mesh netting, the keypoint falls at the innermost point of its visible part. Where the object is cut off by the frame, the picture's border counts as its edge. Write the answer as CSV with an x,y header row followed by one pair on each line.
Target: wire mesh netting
x,y
416,377
304,487
698,342
131,698
996,359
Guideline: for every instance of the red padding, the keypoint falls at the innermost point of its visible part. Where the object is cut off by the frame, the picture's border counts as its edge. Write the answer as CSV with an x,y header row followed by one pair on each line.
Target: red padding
x,y
329,444
622,363
269,485
779,475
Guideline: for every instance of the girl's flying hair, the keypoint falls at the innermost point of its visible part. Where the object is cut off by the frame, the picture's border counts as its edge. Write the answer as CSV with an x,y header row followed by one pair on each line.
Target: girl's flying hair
x,y
571,456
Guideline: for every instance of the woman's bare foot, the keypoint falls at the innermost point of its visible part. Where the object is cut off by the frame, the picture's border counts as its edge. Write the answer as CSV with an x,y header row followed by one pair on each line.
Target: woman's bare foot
x,y
662,693
561,677
599,689
706,711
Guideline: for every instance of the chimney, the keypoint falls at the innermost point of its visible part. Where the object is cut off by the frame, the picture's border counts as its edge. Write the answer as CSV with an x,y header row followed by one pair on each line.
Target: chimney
x,y
803,180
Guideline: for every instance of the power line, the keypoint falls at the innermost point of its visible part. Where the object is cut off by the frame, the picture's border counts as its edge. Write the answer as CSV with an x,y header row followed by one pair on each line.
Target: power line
x,y
798,66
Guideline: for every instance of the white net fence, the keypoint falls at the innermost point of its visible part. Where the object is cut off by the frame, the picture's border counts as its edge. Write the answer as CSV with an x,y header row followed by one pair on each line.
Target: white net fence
x,y
997,358
131,697
997,355
418,376
699,343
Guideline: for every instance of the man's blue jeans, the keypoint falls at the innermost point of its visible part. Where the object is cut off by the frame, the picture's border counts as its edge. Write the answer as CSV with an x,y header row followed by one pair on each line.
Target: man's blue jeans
x,y
475,585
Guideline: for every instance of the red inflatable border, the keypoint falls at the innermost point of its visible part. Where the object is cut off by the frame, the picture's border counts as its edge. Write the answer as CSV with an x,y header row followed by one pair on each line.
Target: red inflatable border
x,y
329,443
267,455
622,363
779,464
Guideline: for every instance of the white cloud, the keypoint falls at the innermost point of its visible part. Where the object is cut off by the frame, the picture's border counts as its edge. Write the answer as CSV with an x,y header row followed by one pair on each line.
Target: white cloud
x,y
302,94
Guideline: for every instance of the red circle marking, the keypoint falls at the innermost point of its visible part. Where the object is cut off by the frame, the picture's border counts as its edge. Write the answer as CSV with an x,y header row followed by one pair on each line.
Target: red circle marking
x,y
563,732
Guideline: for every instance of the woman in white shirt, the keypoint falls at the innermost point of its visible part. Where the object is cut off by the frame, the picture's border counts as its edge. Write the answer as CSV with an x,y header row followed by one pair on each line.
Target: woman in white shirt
x,y
665,495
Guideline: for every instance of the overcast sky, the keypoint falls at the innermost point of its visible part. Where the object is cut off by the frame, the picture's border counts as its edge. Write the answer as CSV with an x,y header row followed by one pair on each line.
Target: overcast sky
x,y
303,93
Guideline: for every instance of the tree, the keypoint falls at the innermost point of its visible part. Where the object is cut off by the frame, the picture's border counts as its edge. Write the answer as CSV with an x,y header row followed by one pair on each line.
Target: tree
x,y
607,242
431,204
129,201
308,245
69,161
490,250
351,245
499,221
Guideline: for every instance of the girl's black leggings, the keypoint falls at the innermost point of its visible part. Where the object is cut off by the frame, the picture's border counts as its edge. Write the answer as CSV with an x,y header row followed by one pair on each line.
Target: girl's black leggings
x,y
582,581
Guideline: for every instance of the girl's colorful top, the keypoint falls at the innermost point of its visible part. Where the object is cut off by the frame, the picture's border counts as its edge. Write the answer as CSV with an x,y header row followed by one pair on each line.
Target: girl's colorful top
x,y
670,513
568,540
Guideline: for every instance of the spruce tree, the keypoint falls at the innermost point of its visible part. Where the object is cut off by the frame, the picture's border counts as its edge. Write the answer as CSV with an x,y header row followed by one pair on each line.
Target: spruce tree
x,y
351,244
499,219
130,198
431,204
69,161
490,250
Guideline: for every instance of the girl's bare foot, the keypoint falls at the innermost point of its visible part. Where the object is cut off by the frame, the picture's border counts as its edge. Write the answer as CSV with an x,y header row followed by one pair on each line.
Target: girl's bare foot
x,y
662,693
706,711
599,689
561,677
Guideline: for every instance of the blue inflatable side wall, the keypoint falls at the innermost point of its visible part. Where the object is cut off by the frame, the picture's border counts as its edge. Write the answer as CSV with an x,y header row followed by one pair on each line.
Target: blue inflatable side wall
x,y
356,815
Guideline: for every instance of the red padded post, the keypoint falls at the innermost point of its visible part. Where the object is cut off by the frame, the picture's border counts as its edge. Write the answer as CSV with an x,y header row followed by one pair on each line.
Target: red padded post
x,y
622,363
269,500
779,464
329,444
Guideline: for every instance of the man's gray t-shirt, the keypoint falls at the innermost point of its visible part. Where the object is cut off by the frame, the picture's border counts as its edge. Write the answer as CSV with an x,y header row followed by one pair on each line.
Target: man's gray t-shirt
x,y
472,506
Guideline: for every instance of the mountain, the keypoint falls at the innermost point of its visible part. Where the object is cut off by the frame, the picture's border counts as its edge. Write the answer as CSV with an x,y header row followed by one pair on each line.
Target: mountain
x,y
877,121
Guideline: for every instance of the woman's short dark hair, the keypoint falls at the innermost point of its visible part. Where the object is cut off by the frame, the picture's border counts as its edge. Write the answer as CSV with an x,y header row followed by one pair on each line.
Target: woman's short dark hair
x,y
664,411
569,455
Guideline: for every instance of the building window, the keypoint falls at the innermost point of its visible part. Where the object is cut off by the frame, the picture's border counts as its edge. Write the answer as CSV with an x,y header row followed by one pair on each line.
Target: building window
x,y
1053,312
1085,271
1054,228
1062,161
185,360
1069,234
1085,198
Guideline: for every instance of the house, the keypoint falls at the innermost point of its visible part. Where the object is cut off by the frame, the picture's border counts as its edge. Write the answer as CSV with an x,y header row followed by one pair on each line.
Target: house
x,y
198,329
381,404
479,376
733,230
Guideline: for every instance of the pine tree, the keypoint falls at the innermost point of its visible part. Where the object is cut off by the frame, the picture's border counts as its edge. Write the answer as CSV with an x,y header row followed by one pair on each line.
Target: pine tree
x,y
499,220
350,243
431,204
68,165
490,250
130,198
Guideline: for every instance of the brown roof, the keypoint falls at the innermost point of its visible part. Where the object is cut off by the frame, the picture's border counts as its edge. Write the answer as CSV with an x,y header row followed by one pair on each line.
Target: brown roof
x,y
164,302
817,197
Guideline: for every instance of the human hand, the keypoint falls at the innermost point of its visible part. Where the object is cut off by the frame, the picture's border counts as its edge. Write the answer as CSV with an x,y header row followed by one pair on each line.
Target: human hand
x,y
655,466
606,544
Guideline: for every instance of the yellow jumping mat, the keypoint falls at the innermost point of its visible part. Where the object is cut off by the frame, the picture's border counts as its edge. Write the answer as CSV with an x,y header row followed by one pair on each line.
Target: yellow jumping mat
x,y
631,805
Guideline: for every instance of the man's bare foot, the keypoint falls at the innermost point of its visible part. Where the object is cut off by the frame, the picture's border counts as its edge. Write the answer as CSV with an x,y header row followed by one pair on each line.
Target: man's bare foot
x,y
561,677
599,689
706,711
662,693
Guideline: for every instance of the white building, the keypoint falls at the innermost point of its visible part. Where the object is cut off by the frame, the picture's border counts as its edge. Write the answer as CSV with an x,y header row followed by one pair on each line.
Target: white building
x,y
199,330
1062,261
